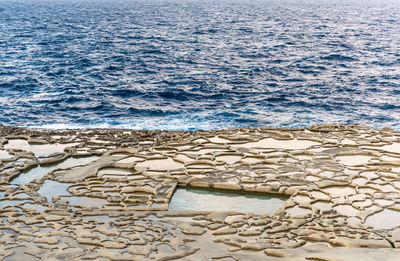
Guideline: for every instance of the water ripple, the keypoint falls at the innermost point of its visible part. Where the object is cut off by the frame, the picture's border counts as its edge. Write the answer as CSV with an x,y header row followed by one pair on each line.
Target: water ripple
x,y
183,64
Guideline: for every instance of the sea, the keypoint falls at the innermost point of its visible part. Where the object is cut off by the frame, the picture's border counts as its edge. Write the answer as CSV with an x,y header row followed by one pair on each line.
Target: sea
x,y
199,64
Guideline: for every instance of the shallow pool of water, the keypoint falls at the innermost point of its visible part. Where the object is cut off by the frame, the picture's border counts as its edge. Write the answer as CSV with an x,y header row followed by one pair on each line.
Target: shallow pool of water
x,y
4,203
39,171
5,155
52,188
223,200
35,207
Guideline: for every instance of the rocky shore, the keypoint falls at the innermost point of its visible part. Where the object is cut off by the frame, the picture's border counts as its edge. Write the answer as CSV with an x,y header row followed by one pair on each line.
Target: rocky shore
x,y
103,194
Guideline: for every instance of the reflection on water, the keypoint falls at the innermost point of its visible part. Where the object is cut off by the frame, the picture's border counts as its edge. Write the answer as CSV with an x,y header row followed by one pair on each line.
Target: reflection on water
x,y
40,171
12,203
5,155
52,188
34,173
222,200
35,207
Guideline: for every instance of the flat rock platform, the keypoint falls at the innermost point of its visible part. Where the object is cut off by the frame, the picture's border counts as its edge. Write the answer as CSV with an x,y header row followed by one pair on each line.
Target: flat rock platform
x,y
103,194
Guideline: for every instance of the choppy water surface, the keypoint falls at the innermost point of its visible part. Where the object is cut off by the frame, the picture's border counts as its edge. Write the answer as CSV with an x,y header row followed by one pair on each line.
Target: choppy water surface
x,y
199,64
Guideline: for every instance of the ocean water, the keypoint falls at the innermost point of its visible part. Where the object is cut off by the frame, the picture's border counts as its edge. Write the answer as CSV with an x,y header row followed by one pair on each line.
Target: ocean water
x,y
199,64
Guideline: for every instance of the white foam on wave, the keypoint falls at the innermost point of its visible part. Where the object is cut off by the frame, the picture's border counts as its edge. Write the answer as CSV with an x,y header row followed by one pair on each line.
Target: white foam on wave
x,y
177,124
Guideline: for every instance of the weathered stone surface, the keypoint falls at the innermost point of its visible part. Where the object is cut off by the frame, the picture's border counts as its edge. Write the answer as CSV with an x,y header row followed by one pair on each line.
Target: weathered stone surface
x,y
342,181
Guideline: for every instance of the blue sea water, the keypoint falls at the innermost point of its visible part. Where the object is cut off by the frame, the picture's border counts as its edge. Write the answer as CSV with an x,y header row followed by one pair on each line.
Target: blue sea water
x,y
199,64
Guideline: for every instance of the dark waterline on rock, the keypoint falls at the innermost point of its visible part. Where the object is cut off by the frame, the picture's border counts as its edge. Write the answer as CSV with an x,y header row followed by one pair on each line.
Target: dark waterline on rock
x,y
181,65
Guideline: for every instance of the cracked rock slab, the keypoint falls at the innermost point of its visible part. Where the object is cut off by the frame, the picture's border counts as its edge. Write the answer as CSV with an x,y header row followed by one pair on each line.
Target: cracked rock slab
x,y
342,183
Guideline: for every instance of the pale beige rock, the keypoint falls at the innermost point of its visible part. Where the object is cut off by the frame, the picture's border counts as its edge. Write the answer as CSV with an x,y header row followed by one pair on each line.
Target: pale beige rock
x,y
342,181
191,229
225,231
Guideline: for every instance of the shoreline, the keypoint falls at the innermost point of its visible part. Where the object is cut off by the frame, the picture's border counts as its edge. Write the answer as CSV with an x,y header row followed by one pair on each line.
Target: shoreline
x,y
342,182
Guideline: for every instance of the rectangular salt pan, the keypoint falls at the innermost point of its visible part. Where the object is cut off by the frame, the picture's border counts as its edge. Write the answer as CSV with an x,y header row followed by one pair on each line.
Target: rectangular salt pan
x,y
223,200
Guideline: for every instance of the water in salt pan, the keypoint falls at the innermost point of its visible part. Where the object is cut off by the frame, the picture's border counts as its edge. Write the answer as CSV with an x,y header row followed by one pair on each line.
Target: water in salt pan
x,y
223,200
5,203
5,155
40,171
35,207
52,188
39,150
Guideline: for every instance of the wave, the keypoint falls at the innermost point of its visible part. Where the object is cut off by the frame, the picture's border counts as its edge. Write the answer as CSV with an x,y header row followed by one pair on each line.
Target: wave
x,y
203,64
